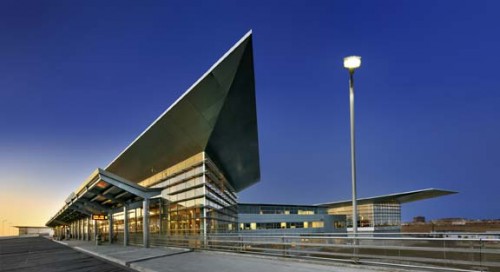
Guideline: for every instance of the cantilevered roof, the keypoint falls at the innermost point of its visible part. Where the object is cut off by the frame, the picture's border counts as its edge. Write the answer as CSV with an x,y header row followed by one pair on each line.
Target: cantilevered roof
x,y
101,193
398,197
217,114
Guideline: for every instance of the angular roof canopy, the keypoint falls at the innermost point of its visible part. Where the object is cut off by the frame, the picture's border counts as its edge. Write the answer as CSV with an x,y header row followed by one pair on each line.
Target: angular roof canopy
x,y
398,197
217,114
99,194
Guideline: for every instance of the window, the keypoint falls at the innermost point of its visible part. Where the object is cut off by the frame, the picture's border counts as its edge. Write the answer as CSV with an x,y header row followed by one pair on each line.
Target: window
x,y
318,224
339,224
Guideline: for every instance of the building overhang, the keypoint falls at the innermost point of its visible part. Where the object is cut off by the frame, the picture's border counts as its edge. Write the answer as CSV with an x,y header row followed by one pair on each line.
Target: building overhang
x,y
400,198
217,114
101,193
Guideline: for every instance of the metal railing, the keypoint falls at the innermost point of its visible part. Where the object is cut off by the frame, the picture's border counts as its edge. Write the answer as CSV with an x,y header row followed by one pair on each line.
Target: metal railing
x,y
460,254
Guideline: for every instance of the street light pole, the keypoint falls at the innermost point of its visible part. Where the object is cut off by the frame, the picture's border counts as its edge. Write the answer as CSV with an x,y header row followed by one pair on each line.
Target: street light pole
x,y
353,156
352,63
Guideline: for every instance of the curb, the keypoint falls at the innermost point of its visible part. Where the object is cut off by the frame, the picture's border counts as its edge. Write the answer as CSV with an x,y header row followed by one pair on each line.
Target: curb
x,y
110,259
97,255
130,264
62,243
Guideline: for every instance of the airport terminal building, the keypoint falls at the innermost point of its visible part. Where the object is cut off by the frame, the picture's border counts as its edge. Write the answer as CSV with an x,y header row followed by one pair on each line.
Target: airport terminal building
x,y
181,176
379,214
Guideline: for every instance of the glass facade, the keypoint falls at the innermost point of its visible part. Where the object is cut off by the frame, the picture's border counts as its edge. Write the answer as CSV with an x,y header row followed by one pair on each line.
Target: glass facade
x,y
274,218
157,223
386,214
280,209
197,199
282,225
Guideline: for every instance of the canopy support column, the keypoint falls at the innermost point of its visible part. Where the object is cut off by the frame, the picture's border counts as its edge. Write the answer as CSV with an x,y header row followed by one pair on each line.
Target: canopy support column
x,y
110,220
125,225
145,222
88,228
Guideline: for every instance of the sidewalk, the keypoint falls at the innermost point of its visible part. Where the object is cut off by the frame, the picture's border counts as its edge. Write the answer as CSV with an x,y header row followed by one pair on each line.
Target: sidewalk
x,y
185,260
125,256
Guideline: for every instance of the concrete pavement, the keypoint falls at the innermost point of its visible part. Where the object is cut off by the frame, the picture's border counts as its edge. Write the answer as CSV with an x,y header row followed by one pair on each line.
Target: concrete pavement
x,y
41,255
185,260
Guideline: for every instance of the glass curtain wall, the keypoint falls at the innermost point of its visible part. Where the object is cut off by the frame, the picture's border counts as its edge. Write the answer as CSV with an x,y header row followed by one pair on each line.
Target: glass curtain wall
x,y
387,214
365,214
135,226
279,209
197,199
372,215
156,224
103,229
221,201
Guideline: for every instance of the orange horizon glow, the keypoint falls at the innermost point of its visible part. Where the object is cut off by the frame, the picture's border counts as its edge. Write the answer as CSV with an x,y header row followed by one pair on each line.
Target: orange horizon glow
x,y
36,179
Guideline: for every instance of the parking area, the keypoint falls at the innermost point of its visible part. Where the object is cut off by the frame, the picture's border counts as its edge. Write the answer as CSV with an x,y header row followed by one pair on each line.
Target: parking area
x,y
41,254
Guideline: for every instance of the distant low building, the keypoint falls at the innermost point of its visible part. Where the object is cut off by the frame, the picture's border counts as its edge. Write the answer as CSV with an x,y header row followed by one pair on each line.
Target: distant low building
x,y
275,218
419,219
452,221
34,230
380,214
451,225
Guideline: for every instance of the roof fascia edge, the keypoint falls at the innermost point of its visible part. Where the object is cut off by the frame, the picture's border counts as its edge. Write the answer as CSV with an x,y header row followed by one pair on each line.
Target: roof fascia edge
x,y
394,195
131,189
104,173
248,34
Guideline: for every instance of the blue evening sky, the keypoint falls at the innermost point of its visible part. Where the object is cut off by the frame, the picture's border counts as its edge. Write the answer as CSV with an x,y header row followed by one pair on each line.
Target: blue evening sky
x,y
79,80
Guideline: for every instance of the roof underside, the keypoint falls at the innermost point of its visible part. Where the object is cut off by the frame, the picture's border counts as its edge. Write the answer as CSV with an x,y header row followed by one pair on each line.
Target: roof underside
x,y
398,197
100,194
217,115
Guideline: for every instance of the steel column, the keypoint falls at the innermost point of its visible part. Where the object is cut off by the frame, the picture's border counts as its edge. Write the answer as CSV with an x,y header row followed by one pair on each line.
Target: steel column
x,y
160,216
125,225
88,228
110,220
145,222
353,156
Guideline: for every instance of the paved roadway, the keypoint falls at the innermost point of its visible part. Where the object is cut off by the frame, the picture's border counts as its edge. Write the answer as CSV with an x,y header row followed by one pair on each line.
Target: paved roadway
x,y
40,254
158,259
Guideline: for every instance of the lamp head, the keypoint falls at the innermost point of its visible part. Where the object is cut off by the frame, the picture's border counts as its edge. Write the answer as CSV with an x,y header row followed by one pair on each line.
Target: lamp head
x,y
352,62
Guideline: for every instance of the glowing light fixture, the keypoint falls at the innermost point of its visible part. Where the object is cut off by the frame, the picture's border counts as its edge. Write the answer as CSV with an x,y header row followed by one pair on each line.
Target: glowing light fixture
x,y
352,62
